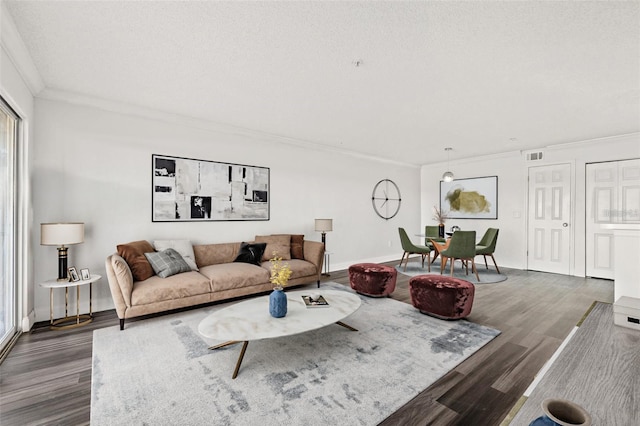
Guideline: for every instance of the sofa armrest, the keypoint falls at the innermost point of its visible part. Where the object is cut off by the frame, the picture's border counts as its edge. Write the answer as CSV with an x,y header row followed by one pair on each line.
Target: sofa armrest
x,y
314,253
120,283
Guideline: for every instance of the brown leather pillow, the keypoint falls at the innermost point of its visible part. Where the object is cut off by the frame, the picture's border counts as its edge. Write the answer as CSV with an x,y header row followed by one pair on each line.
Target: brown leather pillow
x,y
297,246
133,254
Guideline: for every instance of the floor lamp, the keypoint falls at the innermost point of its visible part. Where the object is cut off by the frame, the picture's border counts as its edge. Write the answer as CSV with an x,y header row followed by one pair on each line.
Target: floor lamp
x,y
61,235
324,226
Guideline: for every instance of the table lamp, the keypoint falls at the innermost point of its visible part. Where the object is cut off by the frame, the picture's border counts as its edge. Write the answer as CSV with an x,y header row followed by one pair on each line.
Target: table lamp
x,y
61,234
324,226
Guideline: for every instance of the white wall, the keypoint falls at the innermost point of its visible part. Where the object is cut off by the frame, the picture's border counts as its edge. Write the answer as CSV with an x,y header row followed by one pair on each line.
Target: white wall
x,y
512,171
93,165
509,167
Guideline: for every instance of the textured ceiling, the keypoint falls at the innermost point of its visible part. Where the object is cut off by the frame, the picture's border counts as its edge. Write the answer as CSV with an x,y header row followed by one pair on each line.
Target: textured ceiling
x,y
481,77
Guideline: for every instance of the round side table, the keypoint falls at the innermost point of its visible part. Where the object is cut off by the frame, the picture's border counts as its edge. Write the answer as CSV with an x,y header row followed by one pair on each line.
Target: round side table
x,y
76,320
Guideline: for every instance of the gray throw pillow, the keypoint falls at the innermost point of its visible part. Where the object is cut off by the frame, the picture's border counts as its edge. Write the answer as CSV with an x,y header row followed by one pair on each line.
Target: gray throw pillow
x,y
167,263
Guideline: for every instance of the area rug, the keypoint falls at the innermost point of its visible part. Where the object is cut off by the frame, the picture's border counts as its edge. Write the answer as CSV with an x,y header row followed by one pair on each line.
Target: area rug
x,y
487,276
160,371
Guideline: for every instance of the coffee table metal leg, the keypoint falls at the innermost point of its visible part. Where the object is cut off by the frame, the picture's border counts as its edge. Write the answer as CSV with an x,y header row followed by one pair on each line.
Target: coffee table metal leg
x,y
222,345
245,343
346,326
244,349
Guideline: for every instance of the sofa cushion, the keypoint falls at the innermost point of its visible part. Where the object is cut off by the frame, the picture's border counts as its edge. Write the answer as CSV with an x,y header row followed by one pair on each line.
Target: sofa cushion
x,y
299,268
183,247
133,254
156,289
167,263
226,276
251,253
277,245
213,254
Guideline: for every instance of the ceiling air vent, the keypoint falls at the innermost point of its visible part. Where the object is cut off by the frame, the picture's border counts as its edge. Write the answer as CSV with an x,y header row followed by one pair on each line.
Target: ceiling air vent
x,y
533,156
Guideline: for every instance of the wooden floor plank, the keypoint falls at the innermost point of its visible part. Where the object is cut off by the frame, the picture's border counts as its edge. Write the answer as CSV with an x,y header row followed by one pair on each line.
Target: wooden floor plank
x,y
46,378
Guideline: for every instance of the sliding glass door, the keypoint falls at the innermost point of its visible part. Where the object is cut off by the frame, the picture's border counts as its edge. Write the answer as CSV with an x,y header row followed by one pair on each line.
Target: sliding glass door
x,y
8,290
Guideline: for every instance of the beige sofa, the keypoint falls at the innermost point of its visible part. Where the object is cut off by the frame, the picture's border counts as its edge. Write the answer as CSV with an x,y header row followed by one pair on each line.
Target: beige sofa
x,y
218,278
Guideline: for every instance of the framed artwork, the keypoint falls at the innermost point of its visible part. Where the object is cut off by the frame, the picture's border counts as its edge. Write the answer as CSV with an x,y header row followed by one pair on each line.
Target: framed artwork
x,y
73,274
473,198
84,274
184,189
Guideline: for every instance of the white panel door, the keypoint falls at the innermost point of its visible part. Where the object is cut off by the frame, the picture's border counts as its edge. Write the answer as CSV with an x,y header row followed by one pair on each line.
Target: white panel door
x,y
613,196
549,235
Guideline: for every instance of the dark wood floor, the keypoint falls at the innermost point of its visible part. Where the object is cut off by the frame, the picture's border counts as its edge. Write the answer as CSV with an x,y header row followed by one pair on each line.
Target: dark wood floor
x,y
46,378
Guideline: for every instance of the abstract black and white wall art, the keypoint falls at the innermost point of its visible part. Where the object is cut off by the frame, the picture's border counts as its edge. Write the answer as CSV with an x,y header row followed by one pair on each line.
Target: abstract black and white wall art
x,y
184,189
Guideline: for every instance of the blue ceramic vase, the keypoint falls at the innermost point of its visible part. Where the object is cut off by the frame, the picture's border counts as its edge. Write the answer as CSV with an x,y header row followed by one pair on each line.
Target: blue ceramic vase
x,y
560,412
543,421
278,303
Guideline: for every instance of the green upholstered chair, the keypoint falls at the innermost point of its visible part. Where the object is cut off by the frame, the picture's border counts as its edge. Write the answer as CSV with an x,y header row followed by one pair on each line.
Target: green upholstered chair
x,y
462,246
410,248
487,246
431,232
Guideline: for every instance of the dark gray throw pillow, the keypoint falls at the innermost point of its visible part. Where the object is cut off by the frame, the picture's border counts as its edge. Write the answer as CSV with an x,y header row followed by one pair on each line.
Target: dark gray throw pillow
x,y
251,253
167,262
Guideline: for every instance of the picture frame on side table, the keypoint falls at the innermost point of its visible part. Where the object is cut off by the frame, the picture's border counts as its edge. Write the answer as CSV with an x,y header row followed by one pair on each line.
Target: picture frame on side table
x,y
73,274
85,274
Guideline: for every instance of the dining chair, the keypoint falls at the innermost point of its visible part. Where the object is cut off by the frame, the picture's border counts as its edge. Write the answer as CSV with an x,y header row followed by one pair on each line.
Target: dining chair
x,y
429,233
410,248
462,246
487,246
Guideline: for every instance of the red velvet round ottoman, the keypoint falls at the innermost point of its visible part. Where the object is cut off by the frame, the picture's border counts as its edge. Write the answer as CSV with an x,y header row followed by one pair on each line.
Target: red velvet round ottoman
x,y
372,279
442,296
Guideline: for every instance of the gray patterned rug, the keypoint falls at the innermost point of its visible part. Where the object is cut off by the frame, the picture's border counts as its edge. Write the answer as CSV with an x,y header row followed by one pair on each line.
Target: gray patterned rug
x,y
487,276
160,372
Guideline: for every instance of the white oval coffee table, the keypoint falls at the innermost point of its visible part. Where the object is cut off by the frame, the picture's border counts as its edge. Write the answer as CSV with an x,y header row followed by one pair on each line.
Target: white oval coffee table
x,y
250,319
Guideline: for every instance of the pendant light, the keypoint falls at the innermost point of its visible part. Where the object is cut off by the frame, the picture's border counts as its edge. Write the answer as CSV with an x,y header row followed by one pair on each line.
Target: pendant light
x,y
447,176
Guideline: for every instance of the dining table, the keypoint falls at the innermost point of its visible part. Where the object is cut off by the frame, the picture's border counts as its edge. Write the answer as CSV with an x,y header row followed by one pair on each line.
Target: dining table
x,y
439,246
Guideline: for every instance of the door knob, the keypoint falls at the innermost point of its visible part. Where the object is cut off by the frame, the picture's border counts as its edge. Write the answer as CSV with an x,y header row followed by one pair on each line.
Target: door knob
x,y
564,225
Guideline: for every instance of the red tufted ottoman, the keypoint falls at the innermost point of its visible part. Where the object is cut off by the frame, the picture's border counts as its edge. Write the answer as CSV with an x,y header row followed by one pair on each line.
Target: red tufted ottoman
x,y
442,296
372,279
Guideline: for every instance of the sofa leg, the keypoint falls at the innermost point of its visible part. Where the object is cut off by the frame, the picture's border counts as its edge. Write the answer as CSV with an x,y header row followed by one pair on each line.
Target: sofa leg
x,y
318,283
121,324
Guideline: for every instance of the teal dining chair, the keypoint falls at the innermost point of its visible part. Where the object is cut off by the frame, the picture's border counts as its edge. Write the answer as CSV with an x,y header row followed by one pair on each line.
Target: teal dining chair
x,y
463,247
410,248
487,246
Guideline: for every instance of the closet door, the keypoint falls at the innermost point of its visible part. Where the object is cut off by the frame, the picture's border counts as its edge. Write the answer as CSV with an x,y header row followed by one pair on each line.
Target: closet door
x,y
613,196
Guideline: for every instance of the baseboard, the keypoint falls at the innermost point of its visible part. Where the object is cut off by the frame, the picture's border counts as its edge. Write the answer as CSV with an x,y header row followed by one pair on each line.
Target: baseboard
x,y
28,321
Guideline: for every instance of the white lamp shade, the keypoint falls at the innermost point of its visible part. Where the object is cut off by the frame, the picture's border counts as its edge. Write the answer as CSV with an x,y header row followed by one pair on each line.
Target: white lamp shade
x,y
58,234
324,225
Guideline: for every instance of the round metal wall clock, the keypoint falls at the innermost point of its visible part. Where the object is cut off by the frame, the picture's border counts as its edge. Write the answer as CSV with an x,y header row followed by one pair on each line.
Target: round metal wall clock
x,y
386,199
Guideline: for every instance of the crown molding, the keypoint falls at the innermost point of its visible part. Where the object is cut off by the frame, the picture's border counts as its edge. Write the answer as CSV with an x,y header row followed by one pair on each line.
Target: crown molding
x,y
594,141
459,161
12,43
201,124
